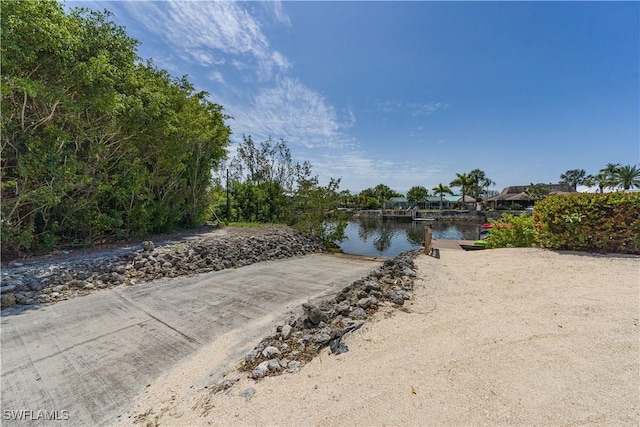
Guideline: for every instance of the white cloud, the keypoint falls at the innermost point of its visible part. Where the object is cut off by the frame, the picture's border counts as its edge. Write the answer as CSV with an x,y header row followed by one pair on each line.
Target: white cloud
x,y
217,76
358,171
275,9
203,32
259,90
290,110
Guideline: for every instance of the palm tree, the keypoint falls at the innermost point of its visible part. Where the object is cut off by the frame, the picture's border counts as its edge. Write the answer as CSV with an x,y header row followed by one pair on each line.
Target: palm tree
x,y
465,182
610,172
601,180
573,177
481,183
628,177
442,189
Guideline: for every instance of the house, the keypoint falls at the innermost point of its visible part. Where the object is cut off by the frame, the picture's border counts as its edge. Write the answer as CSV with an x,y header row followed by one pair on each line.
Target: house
x,y
431,202
396,203
517,194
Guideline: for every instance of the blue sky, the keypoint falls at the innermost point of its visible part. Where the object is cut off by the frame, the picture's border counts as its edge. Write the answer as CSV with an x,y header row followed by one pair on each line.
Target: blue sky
x,y
409,93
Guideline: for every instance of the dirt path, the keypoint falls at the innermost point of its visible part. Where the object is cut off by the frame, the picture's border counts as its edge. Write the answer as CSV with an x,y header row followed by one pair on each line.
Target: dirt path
x,y
497,337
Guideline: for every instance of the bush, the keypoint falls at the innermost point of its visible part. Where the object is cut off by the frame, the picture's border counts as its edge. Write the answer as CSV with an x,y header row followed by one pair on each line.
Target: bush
x,y
511,232
607,222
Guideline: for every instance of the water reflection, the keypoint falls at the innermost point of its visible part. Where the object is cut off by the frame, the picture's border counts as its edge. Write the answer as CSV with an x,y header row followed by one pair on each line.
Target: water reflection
x,y
374,237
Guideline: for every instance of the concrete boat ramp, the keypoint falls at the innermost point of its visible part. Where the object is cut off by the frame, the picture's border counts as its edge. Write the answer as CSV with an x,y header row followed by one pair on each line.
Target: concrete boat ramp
x,y
82,361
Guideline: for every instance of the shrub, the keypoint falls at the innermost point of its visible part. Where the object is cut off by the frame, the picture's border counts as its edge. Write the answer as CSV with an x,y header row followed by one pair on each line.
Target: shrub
x,y
511,232
608,222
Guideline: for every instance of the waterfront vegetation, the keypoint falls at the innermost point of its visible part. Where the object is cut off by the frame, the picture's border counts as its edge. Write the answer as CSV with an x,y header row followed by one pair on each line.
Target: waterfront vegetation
x,y
98,144
608,222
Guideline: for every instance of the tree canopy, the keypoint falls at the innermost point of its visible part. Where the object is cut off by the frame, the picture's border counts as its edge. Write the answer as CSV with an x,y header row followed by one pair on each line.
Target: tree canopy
x,y
417,194
96,142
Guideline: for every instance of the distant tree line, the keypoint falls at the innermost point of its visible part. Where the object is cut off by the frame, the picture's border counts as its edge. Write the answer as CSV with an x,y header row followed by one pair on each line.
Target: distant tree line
x,y
612,176
474,183
96,142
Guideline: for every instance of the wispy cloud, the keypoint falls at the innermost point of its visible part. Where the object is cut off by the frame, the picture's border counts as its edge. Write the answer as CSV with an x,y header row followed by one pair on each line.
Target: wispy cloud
x,y
204,32
359,171
415,109
260,90
217,76
291,110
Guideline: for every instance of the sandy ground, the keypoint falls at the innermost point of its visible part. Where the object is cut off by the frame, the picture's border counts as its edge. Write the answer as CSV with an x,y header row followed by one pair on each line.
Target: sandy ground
x,y
494,337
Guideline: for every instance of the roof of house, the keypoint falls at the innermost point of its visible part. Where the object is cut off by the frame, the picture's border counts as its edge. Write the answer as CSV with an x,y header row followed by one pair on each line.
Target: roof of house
x,y
518,192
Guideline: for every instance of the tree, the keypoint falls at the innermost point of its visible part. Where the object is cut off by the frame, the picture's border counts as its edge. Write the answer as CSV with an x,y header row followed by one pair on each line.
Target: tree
x,y
442,189
265,176
417,194
384,193
609,173
480,183
601,180
315,210
96,143
573,177
374,198
537,191
465,182
627,177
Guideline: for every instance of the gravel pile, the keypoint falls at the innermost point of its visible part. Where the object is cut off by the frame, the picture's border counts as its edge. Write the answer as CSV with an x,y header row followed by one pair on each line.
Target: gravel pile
x,y
300,338
26,285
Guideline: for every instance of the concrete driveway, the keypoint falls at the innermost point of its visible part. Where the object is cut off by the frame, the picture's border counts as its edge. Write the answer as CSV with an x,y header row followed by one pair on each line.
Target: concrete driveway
x,y
83,360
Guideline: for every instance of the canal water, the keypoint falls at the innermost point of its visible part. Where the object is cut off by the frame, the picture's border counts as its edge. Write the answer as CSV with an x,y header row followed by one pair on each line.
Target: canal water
x,y
375,237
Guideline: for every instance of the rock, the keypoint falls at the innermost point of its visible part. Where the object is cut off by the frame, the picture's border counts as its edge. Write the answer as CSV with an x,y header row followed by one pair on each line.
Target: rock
x,y
34,285
321,337
6,289
261,370
89,286
286,331
316,314
76,283
21,298
358,314
148,246
252,355
274,365
271,351
294,366
408,272
7,300
367,302
83,275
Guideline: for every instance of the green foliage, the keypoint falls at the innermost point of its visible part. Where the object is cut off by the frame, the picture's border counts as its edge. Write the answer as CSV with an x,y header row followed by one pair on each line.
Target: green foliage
x,y
511,232
417,194
573,177
480,183
94,143
315,210
267,186
627,177
441,190
608,222
537,191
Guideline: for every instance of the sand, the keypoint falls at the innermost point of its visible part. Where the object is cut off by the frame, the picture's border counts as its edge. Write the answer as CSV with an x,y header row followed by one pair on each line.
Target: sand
x,y
494,337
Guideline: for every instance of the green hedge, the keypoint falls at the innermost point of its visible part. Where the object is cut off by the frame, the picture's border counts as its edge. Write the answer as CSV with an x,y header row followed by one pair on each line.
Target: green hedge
x,y
607,222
